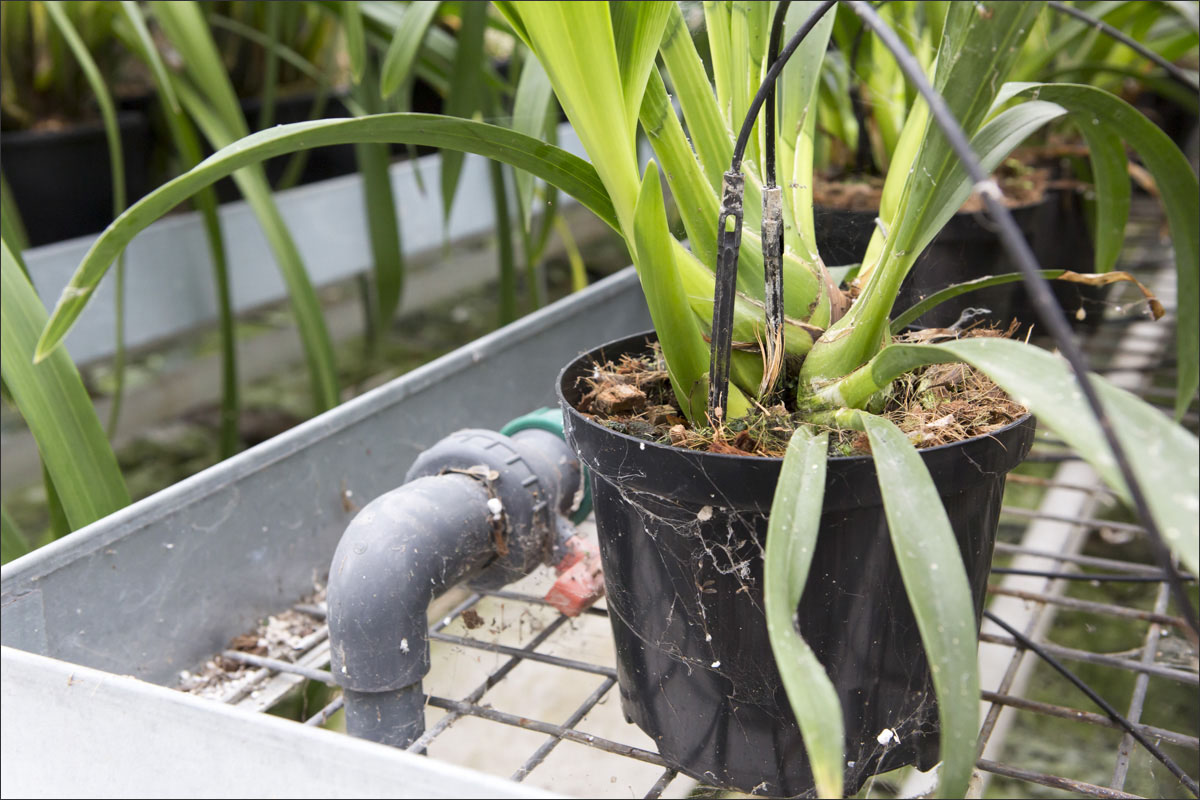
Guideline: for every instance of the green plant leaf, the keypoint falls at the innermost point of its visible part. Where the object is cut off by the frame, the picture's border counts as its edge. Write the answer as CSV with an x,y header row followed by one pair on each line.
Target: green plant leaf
x,y
720,52
637,32
935,581
96,83
532,108
284,53
149,53
980,39
383,227
356,38
579,278
1180,193
1188,11
504,243
116,159
1164,456
709,133
513,18
11,227
791,541
992,144
406,43
186,29
569,173
909,315
796,93
1110,174
13,541
252,182
56,407
575,44
465,95
60,526
697,204
270,81
678,330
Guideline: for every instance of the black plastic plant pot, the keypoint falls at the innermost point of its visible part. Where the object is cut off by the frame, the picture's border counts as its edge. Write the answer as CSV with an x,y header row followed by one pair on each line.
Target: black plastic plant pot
x,y
681,538
968,248
61,179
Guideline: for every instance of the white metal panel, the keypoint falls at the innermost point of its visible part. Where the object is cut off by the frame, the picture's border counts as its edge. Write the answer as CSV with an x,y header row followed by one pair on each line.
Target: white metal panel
x,y
70,731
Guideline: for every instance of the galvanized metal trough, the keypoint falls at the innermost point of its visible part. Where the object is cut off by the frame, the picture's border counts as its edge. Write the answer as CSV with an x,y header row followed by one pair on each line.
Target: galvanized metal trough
x,y
98,624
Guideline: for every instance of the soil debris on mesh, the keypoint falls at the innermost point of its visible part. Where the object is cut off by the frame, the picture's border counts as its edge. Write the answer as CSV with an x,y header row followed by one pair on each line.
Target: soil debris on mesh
x,y
281,636
934,405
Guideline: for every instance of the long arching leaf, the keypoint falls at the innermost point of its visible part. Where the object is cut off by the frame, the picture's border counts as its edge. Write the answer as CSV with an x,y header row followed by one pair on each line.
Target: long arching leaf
x,y
938,591
51,398
791,542
116,165
1180,192
569,173
1163,455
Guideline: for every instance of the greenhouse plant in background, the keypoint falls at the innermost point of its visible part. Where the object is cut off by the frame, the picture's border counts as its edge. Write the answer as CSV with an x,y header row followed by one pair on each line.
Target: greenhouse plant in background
x,y
221,70
829,358
863,100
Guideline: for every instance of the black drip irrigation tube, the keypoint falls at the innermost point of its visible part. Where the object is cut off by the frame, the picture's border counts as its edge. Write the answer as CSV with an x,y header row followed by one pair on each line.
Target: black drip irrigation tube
x,y
729,240
1026,643
1098,576
1173,72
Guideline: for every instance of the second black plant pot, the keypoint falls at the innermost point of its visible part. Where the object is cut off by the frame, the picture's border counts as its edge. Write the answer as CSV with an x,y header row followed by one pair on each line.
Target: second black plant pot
x,y
681,539
968,248
61,180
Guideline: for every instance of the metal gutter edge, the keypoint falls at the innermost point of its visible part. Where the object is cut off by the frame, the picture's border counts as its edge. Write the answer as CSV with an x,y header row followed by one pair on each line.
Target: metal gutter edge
x,y
104,531
154,742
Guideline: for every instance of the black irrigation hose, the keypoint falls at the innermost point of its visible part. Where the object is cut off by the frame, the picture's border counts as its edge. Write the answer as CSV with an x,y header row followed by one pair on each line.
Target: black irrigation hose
x,y
768,83
1173,72
769,111
1037,286
1084,576
1112,713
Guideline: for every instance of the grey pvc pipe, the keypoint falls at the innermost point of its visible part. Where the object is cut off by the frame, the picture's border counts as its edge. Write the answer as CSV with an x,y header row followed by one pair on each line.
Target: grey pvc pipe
x,y
466,494
401,551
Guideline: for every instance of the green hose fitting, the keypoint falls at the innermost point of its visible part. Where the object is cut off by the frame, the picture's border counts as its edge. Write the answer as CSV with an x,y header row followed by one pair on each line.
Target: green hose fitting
x,y
550,419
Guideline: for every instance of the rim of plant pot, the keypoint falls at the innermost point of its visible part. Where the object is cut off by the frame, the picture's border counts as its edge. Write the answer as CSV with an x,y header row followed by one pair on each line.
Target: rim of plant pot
x,y
937,458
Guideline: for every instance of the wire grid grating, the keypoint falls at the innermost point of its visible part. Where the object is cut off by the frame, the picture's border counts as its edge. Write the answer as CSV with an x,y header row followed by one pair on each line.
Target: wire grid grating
x,y
566,711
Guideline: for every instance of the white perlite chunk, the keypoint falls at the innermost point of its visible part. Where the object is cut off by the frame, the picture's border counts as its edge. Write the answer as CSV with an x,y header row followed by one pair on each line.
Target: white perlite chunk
x,y
495,506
